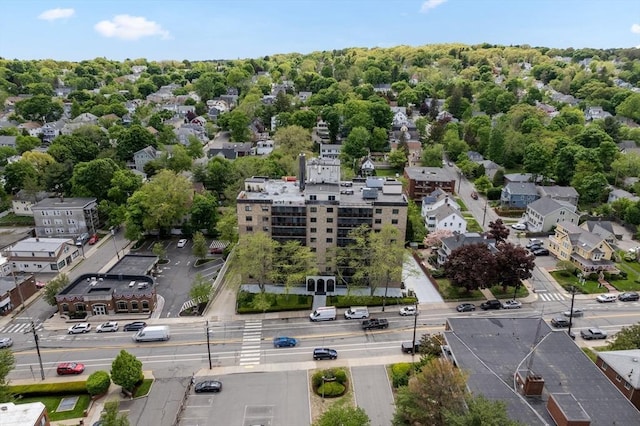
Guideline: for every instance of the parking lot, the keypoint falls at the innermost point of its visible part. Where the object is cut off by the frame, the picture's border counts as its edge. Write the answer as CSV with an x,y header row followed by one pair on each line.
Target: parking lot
x,y
176,276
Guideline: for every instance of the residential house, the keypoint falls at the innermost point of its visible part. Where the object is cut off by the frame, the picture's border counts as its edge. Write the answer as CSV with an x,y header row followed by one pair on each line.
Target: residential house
x,y
490,168
517,177
543,378
617,194
33,128
517,195
622,368
595,113
331,151
449,244
8,141
264,147
589,252
231,150
322,130
474,156
549,110
304,96
382,88
566,194
445,217
29,414
52,130
436,199
603,228
23,201
628,146
42,254
15,290
367,168
65,217
142,157
424,180
544,213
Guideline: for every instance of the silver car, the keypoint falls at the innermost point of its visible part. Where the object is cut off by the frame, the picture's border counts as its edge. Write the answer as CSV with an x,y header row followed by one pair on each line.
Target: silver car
x,y
6,342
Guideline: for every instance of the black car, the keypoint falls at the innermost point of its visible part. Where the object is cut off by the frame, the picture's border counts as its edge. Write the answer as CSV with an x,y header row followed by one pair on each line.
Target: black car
x,y
628,296
541,252
490,304
134,326
208,386
324,353
409,347
560,322
466,307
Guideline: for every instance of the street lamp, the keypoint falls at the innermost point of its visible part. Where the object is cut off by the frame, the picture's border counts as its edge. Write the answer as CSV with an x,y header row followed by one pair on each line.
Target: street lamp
x,y
113,237
208,330
573,296
415,326
484,215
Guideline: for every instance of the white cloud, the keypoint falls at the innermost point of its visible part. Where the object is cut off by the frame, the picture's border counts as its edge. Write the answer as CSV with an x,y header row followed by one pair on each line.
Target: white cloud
x,y
53,14
430,4
635,28
128,27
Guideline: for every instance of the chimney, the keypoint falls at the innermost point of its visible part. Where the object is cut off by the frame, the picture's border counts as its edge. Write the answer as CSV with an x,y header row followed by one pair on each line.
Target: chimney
x,y
302,171
529,383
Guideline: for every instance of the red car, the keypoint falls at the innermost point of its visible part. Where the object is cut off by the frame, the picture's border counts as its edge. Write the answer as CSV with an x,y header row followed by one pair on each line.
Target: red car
x,y
70,368
94,239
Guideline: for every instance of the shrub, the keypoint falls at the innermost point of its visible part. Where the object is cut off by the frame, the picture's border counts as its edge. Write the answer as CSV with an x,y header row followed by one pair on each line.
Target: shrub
x,y
339,374
400,374
438,273
331,389
98,383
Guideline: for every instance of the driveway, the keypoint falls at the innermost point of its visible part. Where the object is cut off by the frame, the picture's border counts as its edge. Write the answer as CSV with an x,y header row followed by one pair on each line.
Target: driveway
x,y
373,393
417,281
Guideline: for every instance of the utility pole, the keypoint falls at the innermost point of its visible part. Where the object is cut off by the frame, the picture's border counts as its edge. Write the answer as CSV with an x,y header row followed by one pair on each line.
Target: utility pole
x,y
35,337
573,296
484,215
209,346
415,326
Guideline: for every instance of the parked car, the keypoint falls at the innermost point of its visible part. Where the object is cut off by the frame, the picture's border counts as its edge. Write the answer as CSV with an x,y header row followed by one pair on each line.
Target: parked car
x,y
82,238
94,239
534,247
474,195
375,323
593,334
82,327
408,311
324,353
284,342
534,242
628,296
466,307
70,368
109,326
606,298
40,284
409,347
6,342
560,322
512,304
134,326
576,313
208,386
519,226
490,304
182,243
541,252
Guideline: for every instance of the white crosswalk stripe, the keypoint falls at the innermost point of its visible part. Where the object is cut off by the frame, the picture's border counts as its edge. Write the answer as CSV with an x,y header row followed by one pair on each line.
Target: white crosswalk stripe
x,y
550,297
250,351
19,327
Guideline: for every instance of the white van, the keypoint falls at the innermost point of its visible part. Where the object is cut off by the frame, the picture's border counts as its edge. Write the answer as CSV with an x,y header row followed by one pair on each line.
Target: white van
x,y
325,313
357,312
152,333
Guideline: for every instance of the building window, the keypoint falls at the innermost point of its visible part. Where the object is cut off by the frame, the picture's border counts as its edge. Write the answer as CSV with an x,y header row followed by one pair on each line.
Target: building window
x,y
329,209
627,385
313,230
313,220
329,220
329,230
313,239
265,219
134,306
395,211
65,307
604,366
330,240
313,209
122,306
378,211
378,221
618,377
394,221
80,307
313,197
265,208
249,218
265,228
332,197
145,306
247,208
249,228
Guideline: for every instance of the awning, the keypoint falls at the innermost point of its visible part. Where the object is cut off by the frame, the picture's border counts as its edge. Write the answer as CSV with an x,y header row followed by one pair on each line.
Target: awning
x,y
5,302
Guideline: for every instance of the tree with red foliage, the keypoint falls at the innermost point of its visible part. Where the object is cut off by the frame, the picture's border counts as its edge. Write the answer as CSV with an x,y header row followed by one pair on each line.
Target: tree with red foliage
x,y
498,231
516,264
471,266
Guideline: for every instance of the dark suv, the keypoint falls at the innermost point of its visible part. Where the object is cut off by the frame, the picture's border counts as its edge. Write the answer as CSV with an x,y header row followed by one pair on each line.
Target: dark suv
x,y
490,304
135,326
324,353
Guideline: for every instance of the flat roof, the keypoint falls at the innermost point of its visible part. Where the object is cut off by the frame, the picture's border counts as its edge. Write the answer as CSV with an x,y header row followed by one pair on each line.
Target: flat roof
x,y
21,414
437,174
9,283
56,202
108,285
40,245
491,349
134,264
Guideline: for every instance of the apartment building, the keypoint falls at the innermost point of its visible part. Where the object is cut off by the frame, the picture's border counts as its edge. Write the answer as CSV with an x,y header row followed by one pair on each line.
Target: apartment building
x,y
65,217
318,209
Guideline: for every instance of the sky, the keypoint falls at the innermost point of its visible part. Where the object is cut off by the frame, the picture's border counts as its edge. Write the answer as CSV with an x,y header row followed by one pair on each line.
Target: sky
x,y
232,29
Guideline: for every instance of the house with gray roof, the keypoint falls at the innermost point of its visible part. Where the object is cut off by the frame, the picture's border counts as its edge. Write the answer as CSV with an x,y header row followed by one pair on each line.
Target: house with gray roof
x,y
8,141
603,228
568,194
143,156
449,244
590,253
445,217
42,254
544,213
539,373
231,150
617,194
23,201
622,368
517,195
490,168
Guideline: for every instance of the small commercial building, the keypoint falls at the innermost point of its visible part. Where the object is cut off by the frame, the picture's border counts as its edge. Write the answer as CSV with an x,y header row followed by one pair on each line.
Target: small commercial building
x,y
14,290
42,254
30,414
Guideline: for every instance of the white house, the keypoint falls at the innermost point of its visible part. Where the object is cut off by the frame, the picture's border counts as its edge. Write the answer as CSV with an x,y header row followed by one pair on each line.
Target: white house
x,y
264,147
544,213
42,254
445,217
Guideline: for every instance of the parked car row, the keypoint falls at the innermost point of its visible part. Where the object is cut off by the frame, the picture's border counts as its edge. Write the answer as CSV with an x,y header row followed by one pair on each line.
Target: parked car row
x,y
106,327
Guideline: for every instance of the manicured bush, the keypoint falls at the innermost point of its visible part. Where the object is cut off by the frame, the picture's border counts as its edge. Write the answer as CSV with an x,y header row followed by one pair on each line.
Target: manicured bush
x,y
331,389
98,383
353,300
400,373
57,388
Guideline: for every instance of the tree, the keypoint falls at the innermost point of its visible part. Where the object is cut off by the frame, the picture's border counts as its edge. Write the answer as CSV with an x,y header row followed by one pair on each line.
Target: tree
x,y
7,361
416,230
498,231
111,416
355,146
292,263
537,160
93,179
386,258
39,108
179,161
471,267
126,371
204,212
516,264
133,140
483,184
227,226
480,411
432,155
238,126
194,148
159,250
255,256
344,416
293,140
397,159
199,245
626,339
200,289
630,107
54,287
438,389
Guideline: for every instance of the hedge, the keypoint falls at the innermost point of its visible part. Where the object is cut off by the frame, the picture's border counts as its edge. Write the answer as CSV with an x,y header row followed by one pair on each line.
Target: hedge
x,y
352,300
331,389
57,388
98,383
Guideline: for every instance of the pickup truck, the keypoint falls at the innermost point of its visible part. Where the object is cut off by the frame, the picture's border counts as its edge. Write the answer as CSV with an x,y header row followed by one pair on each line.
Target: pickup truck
x,y
593,333
375,323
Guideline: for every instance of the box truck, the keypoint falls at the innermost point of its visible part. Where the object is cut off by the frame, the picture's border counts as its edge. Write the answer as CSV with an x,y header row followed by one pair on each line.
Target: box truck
x,y
325,313
152,333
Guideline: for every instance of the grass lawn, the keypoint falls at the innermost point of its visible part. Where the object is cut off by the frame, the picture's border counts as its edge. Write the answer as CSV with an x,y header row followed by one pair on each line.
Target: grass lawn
x,y
452,294
387,172
52,402
144,388
589,287
500,293
633,273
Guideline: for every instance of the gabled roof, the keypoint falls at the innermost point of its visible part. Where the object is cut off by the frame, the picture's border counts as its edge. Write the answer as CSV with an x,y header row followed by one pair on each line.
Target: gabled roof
x,y
521,188
443,212
557,191
547,205
602,228
581,237
149,150
625,363
466,239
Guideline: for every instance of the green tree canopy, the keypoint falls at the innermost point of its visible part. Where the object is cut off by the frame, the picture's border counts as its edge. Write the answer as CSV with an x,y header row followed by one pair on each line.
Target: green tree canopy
x,y
343,416
126,370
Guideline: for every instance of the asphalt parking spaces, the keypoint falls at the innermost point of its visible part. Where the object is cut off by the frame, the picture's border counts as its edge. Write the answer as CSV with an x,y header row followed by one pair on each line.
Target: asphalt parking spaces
x,y
269,399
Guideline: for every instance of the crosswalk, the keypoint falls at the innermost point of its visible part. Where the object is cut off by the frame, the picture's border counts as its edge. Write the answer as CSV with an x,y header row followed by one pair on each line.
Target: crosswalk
x,y
19,327
551,297
251,337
